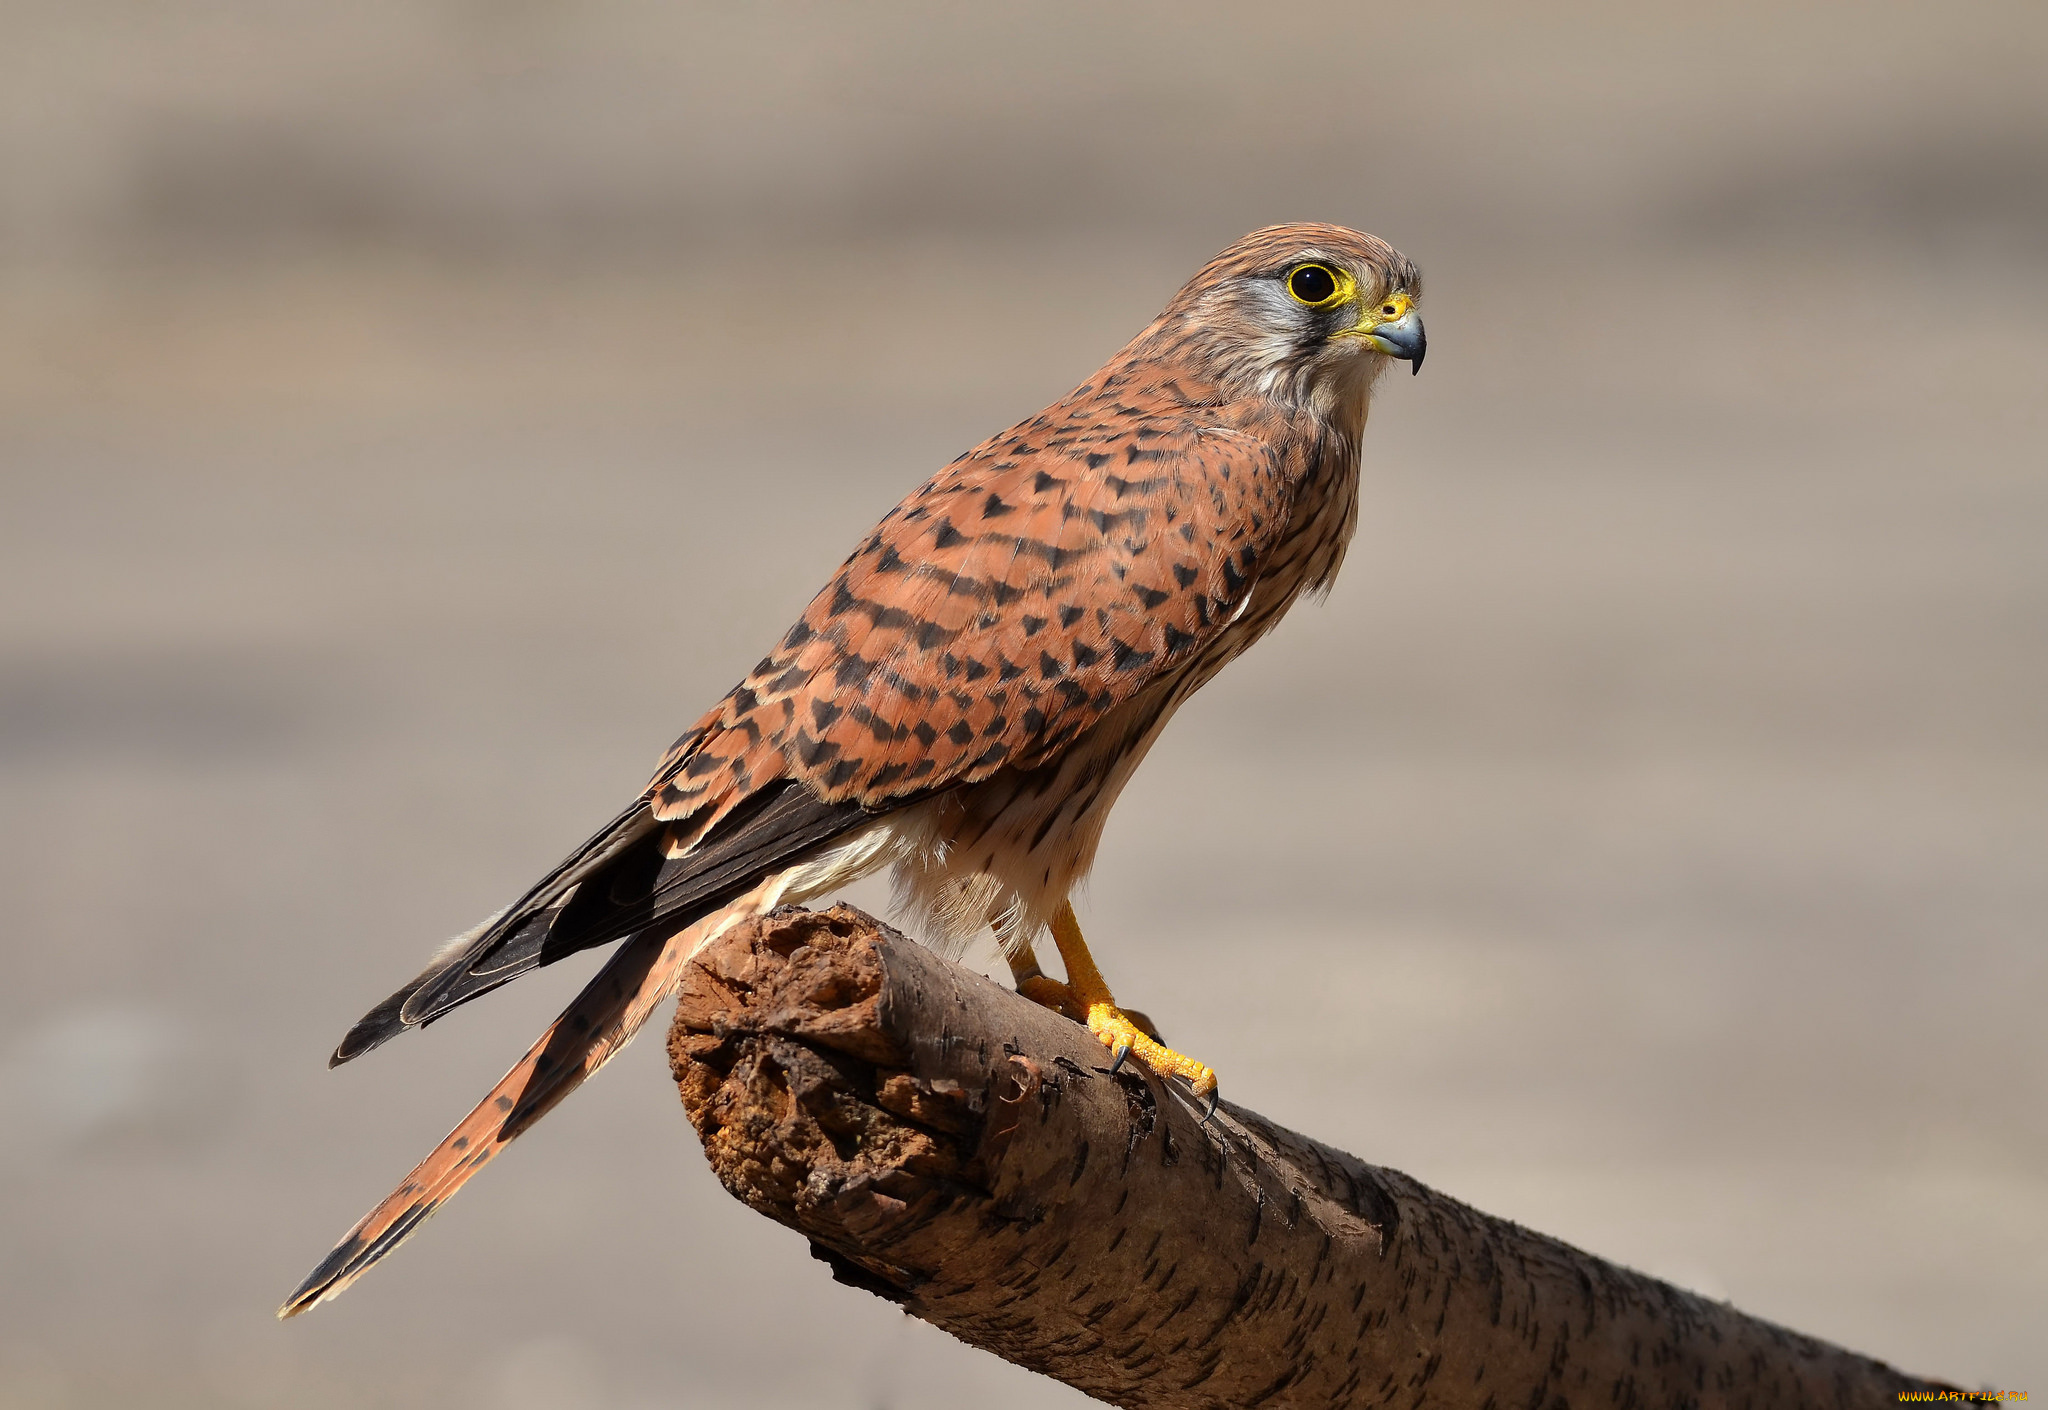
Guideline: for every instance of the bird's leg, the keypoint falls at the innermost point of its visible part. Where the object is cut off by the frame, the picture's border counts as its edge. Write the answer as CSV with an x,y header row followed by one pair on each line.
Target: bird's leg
x,y
1117,1030
1039,987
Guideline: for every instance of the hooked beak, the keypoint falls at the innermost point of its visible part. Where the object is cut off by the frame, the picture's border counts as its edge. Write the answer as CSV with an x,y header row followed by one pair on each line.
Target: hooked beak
x,y
1401,337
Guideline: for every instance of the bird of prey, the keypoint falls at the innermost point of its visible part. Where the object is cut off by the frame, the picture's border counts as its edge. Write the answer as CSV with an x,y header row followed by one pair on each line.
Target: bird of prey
x,y
969,693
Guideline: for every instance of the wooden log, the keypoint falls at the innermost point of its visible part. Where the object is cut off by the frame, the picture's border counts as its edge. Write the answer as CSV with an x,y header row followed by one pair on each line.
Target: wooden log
x,y
968,1154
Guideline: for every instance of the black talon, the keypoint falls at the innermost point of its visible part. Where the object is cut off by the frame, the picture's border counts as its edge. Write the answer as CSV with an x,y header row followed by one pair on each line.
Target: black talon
x,y
1208,1111
1116,1061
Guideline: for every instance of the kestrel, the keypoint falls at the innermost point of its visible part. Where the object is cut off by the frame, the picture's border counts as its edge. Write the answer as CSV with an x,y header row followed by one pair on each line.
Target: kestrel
x,y
968,695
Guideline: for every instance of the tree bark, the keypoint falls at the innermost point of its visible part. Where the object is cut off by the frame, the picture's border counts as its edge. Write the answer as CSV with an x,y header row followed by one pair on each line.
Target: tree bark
x,y
968,1154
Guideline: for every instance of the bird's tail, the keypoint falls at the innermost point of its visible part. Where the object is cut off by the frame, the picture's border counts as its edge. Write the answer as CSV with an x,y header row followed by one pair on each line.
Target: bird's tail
x,y
601,1020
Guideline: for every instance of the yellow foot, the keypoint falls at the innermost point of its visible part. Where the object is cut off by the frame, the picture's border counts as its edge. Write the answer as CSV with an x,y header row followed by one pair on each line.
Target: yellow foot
x,y
1086,999
1053,995
1125,1038
1041,989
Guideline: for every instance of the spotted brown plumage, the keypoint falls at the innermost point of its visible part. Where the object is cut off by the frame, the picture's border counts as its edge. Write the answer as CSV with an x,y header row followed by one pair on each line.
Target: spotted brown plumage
x,y
1006,606
966,696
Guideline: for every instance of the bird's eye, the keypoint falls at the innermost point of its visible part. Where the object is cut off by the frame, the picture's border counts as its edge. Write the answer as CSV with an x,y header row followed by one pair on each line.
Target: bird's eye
x,y
1311,284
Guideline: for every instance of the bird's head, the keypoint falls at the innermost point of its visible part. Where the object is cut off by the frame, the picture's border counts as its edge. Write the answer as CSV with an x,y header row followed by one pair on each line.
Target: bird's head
x,y
1306,314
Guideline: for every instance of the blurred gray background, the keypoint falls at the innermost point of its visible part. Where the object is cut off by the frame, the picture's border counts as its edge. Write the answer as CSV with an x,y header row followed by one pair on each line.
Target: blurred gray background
x,y
412,415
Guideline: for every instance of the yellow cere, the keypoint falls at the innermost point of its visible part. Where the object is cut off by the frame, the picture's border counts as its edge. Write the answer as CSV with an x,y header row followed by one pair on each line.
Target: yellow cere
x,y
1391,309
